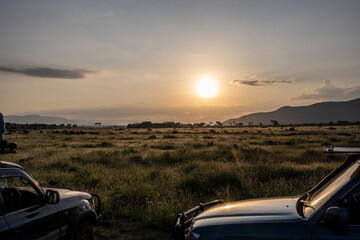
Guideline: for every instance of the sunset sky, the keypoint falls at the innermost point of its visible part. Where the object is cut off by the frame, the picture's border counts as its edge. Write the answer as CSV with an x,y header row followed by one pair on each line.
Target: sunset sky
x,y
126,61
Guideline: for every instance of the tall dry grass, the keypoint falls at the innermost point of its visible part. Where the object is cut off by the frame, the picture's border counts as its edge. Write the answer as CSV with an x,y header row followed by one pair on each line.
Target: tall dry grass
x,y
150,175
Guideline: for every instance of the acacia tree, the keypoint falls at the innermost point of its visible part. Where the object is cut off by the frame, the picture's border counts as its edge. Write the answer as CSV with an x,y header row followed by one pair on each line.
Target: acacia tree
x,y
274,122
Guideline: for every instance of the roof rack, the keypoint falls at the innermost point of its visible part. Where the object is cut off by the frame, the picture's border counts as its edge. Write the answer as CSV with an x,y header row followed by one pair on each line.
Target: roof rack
x,y
332,149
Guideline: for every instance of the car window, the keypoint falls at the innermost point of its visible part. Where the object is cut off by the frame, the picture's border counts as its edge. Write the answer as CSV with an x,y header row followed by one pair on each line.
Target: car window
x,y
17,193
352,202
331,187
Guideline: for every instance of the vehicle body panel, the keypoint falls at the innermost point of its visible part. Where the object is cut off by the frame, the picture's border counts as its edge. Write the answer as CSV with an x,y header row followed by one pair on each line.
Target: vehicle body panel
x,y
4,228
29,223
254,210
252,219
299,229
73,207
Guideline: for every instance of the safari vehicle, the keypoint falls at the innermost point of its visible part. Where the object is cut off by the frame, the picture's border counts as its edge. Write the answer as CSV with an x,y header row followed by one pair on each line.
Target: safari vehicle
x,y
29,211
331,210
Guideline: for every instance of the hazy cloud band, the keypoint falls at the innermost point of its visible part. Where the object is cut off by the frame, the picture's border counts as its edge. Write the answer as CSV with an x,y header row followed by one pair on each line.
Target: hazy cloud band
x,y
47,72
256,80
131,113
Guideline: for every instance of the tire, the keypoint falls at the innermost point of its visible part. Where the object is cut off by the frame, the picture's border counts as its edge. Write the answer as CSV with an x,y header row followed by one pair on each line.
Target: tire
x,y
84,232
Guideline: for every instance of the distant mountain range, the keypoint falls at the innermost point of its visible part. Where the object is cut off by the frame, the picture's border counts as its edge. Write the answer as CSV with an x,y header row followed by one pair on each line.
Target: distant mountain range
x,y
38,119
31,119
323,112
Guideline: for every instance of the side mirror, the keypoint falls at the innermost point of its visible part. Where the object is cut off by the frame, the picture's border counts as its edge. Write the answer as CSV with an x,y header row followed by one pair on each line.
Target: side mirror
x,y
336,217
52,197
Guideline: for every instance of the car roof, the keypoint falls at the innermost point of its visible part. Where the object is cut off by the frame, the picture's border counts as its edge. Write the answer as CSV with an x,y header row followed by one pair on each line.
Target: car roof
x,y
9,165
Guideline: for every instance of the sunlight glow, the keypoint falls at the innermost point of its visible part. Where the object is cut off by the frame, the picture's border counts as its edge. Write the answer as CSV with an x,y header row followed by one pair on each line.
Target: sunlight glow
x,y
206,87
228,206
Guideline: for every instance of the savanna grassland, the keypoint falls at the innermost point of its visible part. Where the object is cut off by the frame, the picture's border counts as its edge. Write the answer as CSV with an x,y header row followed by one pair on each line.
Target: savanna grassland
x,y
146,176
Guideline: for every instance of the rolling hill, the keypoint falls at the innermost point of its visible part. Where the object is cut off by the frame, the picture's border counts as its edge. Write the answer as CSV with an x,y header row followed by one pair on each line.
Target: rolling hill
x,y
323,112
31,119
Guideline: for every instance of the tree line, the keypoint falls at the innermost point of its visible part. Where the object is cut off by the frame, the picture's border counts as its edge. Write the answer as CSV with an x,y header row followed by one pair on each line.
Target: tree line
x,y
148,124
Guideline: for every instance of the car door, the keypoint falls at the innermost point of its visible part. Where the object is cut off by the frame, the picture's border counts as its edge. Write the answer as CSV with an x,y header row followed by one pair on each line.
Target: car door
x,y
352,231
27,214
36,222
4,227
351,202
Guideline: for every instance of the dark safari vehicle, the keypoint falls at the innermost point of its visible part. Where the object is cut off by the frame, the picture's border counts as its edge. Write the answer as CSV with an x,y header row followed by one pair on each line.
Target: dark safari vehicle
x,y
331,210
29,211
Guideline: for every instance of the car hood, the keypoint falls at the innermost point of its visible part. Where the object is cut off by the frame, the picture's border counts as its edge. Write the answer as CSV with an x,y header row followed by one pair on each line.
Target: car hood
x,y
257,210
66,192
70,198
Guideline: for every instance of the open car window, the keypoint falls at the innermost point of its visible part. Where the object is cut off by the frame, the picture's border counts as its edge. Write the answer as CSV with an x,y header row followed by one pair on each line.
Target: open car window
x,y
17,193
19,183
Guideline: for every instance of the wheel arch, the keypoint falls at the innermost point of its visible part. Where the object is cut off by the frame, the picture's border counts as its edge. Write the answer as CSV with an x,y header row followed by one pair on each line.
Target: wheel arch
x,y
79,215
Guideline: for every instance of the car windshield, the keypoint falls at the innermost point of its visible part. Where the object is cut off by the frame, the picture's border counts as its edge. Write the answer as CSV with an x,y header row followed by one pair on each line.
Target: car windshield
x,y
331,187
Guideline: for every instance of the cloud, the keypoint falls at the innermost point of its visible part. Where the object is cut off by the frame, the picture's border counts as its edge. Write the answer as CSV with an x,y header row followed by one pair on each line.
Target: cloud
x,y
329,91
47,72
255,80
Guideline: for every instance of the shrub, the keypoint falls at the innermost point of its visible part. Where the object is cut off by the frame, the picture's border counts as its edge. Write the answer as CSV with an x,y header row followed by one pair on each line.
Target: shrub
x,y
61,166
197,145
106,144
189,167
164,146
208,137
152,137
209,181
138,159
169,137
129,150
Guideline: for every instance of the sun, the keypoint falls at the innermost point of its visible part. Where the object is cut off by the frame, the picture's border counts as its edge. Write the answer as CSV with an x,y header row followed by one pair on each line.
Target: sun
x,y
206,87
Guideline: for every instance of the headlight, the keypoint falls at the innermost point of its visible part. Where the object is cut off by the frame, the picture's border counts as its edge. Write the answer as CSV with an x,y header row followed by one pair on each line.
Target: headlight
x,y
193,236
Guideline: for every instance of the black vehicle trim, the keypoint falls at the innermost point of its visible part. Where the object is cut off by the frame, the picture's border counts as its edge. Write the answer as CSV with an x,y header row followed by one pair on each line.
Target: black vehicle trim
x,y
53,235
183,223
63,230
98,205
